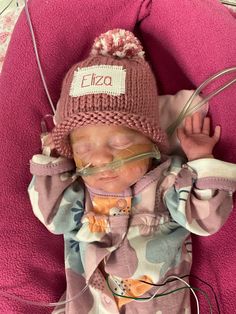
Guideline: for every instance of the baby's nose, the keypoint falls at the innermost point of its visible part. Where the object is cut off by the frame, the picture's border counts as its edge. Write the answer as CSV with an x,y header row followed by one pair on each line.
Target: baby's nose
x,y
101,157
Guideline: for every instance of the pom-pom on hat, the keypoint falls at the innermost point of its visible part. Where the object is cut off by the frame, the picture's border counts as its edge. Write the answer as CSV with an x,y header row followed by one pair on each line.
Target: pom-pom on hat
x,y
113,86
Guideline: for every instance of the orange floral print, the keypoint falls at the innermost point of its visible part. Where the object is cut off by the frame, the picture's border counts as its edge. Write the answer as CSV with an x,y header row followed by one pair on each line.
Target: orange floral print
x,y
102,205
133,288
96,224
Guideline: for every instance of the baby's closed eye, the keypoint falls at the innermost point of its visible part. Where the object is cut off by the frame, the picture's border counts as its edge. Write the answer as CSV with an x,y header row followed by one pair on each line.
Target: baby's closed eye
x,y
120,142
81,148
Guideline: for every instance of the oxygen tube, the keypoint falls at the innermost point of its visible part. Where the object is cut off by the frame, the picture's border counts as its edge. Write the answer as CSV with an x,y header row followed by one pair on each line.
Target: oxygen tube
x,y
117,163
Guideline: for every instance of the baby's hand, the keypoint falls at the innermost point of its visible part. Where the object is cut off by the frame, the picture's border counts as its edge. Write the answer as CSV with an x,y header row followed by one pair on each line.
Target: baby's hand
x,y
195,138
47,144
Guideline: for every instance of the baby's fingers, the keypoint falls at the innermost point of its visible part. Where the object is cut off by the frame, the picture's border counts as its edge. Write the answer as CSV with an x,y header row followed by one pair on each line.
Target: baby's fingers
x,y
197,122
206,126
216,134
47,139
188,125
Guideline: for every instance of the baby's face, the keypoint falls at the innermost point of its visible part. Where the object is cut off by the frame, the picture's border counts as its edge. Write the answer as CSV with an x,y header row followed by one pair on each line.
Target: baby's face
x,y
98,145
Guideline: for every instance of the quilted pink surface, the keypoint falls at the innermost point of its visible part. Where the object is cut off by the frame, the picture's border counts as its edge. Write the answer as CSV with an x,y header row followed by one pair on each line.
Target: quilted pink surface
x,y
8,17
185,45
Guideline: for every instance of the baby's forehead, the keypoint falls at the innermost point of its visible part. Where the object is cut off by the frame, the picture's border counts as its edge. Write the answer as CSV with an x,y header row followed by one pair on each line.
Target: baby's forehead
x,y
103,131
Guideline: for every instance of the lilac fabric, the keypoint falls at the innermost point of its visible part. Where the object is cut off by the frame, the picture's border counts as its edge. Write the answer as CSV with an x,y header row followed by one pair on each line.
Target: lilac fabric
x,y
186,43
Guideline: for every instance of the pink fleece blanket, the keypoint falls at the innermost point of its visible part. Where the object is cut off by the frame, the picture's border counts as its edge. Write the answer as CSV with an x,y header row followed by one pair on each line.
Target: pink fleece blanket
x,y
186,42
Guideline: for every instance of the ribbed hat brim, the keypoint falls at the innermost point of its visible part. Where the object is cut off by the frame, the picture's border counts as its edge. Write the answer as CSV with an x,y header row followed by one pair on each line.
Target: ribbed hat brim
x,y
61,131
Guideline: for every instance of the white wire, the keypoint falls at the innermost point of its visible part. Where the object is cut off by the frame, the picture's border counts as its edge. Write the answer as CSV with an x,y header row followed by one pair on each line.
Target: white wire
x,y
50,304
193,292
228,3
182,280
37,57
188,108
149,299
208,97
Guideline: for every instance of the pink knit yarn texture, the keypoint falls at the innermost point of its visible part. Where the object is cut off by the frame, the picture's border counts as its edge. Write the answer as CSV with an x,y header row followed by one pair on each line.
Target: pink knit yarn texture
x,y
117,42
137,108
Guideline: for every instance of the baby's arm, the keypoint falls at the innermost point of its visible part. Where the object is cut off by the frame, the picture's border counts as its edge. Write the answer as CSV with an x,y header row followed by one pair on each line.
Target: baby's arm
x,y
201,196
56,196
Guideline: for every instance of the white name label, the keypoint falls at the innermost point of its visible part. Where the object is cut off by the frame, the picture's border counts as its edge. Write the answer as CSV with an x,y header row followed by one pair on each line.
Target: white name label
x,y
107,79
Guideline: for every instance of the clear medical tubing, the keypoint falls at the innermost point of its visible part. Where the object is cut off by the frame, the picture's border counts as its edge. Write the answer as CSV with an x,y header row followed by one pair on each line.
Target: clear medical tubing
x,y
88,171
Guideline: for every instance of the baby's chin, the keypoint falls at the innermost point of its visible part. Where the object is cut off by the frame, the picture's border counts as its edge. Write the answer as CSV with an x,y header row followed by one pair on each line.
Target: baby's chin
x,y
113,185
110,187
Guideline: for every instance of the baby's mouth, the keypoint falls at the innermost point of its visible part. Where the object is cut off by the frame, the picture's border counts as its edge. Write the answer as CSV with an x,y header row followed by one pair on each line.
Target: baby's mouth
x,y
107,176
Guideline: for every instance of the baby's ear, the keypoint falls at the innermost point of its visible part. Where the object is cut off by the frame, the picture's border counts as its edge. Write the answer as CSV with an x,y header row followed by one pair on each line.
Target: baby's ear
x,y
170,107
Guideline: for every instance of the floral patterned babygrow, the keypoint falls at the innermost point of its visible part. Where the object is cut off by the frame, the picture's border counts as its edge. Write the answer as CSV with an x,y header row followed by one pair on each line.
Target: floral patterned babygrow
x,y
113,241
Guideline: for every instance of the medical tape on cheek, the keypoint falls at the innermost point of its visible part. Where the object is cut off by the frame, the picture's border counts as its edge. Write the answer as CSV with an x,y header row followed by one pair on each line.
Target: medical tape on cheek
x,y
79,163
121,156
124,157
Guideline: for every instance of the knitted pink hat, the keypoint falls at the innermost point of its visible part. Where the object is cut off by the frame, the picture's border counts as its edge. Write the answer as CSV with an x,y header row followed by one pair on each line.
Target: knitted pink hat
x,y
113,86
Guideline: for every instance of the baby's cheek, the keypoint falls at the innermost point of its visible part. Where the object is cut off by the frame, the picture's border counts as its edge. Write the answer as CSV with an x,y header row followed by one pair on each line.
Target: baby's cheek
x,y
135,170
90,180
